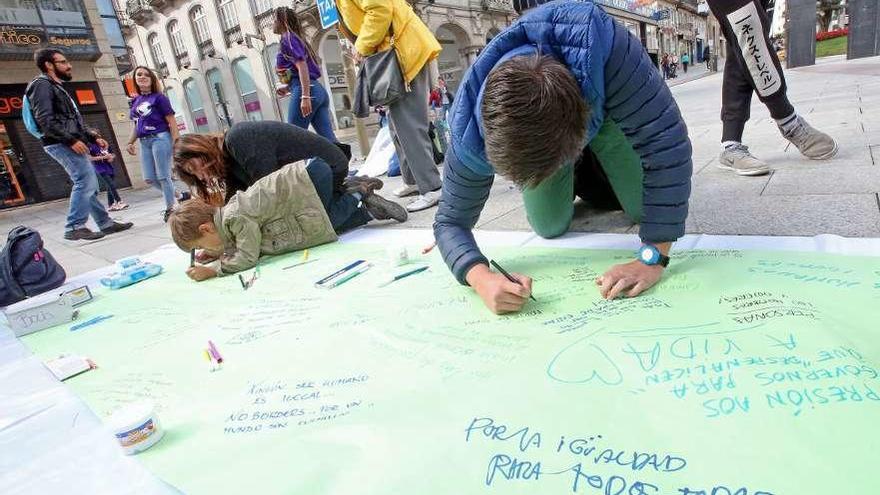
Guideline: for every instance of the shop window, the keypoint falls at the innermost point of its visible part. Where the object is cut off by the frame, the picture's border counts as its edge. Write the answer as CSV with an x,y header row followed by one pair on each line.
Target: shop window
x,y
197,108
247,89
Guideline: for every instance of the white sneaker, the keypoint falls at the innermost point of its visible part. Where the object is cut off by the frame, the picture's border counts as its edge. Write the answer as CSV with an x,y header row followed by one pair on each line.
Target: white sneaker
x,y
740,161
406,190
424,201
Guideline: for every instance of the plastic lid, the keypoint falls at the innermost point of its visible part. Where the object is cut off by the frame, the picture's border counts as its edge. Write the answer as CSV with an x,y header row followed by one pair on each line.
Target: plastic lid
x,y
131,416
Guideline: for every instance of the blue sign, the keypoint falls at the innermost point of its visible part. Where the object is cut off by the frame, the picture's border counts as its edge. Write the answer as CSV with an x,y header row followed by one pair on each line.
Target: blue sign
x,y
328,12
661,14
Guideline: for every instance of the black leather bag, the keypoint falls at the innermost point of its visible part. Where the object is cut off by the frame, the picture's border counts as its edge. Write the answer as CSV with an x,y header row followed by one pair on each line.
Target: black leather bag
x,y
379,82
26,269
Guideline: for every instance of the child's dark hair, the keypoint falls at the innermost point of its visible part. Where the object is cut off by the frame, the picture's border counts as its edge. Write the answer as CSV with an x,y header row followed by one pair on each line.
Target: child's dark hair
x,y
534,118
185,220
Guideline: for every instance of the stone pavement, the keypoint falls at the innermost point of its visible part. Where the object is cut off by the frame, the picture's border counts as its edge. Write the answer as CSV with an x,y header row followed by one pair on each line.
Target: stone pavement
x,y
801,197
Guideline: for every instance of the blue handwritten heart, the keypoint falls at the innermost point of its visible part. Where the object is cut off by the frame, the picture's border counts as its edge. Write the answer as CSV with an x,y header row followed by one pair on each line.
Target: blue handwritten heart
x,y
581,362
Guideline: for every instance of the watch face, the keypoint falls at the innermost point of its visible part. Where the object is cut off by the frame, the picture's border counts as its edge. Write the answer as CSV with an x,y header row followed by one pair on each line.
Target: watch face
x,y
649,255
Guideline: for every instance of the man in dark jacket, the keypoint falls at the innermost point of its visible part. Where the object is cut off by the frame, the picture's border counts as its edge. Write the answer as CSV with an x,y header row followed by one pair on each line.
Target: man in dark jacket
x,y
64,139
565,75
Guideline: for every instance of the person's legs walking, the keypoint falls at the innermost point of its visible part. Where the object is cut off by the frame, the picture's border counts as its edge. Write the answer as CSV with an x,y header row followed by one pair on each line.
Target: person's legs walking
x,y
320,117
409,127
84,193
294,112
155,157
162,149
746,27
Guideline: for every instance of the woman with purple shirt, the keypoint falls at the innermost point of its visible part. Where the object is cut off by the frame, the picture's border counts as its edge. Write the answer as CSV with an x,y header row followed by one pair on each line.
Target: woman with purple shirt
x,y
295,63
156,129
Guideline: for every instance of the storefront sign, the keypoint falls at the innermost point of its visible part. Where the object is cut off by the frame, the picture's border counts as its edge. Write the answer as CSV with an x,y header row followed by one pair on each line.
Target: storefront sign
x,y
64,25
86,93
21,37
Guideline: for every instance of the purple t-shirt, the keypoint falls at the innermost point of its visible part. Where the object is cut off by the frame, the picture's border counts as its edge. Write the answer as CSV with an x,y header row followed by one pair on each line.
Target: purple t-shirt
x,y
149,112
103,167
292,51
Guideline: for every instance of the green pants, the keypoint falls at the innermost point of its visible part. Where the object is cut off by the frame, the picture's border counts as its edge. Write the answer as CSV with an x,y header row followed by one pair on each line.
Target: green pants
x,y
550,204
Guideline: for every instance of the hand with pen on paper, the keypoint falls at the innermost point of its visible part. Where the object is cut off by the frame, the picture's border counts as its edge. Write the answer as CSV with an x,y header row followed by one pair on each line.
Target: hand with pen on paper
x,y
499,293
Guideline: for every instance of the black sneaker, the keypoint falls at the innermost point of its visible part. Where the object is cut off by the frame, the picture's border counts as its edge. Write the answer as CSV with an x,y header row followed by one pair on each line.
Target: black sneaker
x,y
82,234
166,214
382,209
116,227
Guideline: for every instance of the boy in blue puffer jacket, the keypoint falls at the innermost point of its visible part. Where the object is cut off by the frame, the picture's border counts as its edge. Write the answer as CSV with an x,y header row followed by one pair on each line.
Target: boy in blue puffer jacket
x,y
563,102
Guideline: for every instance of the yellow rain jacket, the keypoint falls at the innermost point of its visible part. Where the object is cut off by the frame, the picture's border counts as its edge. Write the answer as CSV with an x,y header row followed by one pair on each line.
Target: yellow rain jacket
x,y
370,22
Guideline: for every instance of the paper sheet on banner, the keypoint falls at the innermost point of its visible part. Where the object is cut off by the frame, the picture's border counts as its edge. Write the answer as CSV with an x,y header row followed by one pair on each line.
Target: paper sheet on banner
x,y
741,371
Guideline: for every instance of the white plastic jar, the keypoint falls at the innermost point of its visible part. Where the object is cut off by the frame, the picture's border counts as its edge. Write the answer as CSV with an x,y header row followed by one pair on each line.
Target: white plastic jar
x,y
136,427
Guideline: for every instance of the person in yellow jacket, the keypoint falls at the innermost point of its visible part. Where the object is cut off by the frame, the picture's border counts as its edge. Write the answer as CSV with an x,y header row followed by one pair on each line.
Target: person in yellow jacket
x,y
370,25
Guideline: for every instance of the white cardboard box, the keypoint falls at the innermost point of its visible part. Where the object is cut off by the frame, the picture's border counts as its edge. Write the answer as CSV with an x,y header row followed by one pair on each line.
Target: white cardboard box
x,y
39,312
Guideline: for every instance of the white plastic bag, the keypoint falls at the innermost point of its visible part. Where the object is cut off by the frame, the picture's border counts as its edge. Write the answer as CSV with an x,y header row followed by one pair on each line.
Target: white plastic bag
x,y
377,161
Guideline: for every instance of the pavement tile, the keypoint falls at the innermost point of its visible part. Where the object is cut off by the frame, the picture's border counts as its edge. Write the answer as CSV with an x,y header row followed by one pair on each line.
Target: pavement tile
x,y
829,180
848,215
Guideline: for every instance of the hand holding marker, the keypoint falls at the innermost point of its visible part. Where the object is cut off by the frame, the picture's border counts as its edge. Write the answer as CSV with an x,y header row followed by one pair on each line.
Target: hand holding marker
x,y
510,277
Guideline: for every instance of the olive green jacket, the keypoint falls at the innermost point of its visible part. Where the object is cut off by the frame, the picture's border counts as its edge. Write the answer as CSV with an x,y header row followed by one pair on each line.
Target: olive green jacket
x,y
278,214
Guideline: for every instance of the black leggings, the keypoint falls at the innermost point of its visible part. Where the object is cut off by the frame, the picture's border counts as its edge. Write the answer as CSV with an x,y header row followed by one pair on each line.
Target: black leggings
x,y
112,194
751,66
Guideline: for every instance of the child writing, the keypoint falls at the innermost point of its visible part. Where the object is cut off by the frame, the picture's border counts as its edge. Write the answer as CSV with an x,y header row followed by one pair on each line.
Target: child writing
x,y
279,213
102,160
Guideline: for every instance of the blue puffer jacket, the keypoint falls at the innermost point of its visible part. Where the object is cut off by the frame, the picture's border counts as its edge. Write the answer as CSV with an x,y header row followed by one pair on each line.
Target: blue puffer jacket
x,y
618,81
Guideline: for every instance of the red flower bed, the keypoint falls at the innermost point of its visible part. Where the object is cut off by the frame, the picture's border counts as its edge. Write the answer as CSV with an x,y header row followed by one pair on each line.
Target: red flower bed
x,y
827,35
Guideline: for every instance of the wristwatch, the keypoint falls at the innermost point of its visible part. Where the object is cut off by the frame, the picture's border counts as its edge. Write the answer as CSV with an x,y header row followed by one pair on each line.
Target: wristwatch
x,y
652,256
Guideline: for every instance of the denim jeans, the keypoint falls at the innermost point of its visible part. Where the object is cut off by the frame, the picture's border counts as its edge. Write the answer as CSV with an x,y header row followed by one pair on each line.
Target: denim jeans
x,y
84,194
320,116
343,209
156,164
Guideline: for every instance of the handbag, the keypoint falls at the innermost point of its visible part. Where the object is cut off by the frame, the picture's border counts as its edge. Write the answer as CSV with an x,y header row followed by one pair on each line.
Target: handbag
x,y
284,75
379,81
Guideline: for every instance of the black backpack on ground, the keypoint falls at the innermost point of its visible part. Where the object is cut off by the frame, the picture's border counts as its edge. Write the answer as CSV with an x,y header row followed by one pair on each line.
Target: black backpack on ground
x,y
26,269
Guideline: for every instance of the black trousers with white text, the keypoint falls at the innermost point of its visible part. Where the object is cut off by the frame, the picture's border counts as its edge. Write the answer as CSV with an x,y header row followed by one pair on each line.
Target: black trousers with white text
x,y
751,66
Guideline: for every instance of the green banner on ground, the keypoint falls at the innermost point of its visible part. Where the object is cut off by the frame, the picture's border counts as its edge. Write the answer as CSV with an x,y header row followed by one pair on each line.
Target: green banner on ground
x,y
741,373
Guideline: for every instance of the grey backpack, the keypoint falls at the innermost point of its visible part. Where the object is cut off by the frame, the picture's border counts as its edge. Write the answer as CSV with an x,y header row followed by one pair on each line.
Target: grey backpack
x,y
26,269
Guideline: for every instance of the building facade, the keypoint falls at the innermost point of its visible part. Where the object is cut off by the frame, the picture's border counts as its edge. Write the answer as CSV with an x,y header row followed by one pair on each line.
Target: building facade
x,y
217,57
89,34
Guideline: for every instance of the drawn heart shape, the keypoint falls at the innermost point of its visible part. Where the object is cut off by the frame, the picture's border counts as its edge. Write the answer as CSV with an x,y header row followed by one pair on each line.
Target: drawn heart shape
x,y
581,362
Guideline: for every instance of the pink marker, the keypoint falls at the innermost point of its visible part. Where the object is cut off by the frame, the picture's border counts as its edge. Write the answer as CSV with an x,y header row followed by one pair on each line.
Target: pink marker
x,y
215,352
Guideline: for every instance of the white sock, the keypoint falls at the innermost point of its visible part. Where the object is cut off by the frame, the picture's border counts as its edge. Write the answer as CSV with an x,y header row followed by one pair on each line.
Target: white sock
x,y
787,122
729,144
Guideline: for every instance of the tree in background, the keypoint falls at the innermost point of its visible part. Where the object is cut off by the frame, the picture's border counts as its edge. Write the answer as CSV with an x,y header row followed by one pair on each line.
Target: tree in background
x,y
825,11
